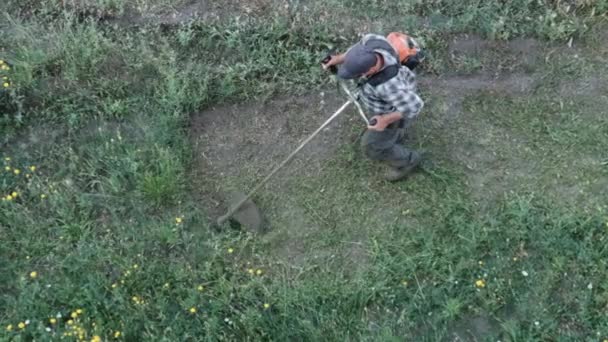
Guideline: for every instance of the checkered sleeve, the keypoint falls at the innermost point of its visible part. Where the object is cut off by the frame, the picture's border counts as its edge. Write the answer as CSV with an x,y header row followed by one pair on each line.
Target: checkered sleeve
x,y
406,102
400,93
373,104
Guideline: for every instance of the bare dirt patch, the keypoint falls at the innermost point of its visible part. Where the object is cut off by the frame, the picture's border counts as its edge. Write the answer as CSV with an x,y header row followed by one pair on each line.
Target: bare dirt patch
x,y
236,145
252,137
233,142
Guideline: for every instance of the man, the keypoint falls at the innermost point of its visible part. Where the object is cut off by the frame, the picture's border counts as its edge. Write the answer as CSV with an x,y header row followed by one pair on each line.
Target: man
x,y
388,91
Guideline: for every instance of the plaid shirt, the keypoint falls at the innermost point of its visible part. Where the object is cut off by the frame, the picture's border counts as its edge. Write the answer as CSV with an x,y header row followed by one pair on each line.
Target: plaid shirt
x,y
395,95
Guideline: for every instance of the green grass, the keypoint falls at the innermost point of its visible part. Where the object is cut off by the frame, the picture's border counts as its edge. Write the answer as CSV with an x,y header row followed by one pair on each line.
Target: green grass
x,y
106,210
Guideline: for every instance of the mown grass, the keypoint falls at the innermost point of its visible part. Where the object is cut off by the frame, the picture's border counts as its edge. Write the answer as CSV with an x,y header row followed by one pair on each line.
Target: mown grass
x,y
95,119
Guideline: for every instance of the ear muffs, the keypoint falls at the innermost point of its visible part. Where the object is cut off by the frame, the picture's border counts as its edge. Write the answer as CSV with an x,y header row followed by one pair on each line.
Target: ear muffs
x,y
413,61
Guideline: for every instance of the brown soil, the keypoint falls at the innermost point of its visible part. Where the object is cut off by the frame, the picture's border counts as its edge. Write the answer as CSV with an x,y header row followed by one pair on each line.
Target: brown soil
x,y
235,141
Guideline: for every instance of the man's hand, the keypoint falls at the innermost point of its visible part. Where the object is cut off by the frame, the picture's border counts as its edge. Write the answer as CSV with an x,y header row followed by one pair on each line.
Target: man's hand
x,y
383,121
332,61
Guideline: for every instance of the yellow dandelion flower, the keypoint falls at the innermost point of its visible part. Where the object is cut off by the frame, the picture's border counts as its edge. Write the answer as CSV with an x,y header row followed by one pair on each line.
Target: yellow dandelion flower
x,y
178,220
42,196
135,299
6,85
135,266
1,62
200,288
17,171
96,338
14,193
21,325
53,321
7,158
258,272
480,283
266,305
27,175
9,327
79,311
7,168
70,322
9,197
32,168
192,310
230,250
117,334
251,271
166,285
74,315
33,274
114,285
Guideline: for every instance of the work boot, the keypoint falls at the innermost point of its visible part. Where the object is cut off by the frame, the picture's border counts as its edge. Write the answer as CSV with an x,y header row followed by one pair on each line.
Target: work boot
x,y
398,173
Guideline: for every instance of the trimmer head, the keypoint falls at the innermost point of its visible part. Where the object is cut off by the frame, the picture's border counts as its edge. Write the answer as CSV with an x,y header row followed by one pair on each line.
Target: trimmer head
x,y
248,215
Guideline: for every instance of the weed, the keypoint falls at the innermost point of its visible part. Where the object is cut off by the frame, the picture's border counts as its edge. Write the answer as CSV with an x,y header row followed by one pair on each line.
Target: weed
x,y
162,184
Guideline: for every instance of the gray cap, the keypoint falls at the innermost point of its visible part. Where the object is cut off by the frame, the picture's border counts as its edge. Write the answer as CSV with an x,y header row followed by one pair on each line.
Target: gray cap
x,y
358,60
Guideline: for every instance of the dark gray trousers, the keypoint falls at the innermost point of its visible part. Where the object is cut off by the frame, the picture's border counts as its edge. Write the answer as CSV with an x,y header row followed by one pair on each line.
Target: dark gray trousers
x,y
385,146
